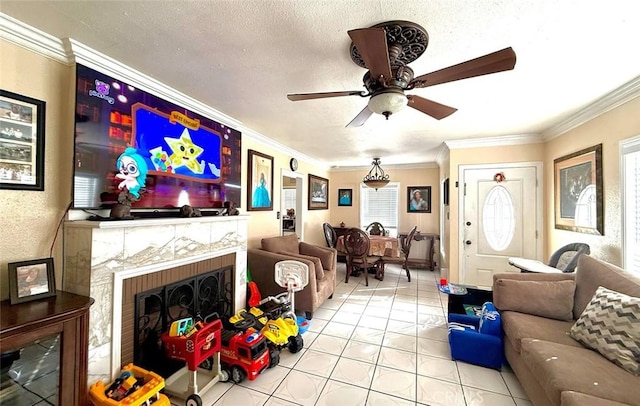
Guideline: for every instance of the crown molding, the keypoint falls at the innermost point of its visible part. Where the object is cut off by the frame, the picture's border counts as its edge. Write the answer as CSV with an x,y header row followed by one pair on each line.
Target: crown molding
x,y
497,141
25,36
610,101
263,139
442,154
419,165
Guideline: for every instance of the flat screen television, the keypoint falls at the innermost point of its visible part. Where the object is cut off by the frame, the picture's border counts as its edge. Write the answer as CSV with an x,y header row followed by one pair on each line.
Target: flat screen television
x,y
189,159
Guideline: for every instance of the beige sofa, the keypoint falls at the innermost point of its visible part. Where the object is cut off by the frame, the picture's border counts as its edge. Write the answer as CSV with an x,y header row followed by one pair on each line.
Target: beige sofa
x,y
553,368
322,262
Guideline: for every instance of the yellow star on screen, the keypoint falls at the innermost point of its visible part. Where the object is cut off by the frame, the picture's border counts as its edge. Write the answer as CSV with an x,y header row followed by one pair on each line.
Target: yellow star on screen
x,y
185,152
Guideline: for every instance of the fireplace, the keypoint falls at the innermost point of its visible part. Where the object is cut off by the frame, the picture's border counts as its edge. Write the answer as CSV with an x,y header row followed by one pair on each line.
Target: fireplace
x,y
113,261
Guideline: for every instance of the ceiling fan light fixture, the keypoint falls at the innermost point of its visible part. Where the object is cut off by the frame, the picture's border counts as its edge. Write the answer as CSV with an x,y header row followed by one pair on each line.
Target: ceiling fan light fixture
x,y
376,178
388,102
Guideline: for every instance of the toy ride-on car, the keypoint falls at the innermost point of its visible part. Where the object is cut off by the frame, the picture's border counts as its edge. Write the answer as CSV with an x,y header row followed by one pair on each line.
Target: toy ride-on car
x,y
274,315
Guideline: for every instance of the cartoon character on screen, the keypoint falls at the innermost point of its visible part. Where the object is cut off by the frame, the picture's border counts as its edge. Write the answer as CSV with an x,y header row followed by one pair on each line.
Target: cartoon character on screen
x,y
133,171
185,153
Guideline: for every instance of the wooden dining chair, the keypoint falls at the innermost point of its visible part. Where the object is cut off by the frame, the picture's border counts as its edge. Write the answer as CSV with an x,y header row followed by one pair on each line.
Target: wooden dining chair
x,y
404,259
357,245
375,228
330,235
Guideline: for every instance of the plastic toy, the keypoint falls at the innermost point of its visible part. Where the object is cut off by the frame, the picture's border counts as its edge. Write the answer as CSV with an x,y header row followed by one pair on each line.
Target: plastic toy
x,y
274,315
134,387
245,353
191,381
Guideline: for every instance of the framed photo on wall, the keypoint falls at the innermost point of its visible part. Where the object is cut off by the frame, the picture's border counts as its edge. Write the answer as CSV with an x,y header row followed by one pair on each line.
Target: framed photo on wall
x,y
260,193
22,121
419,199
31,280
345,197
578,199
318,193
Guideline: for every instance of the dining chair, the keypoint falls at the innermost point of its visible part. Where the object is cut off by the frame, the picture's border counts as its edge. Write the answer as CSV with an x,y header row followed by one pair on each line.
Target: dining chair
x,y
405,248
330,235
357,245
376,228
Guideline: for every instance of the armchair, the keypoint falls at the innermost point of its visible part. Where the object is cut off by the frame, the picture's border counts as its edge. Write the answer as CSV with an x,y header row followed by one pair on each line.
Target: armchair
x,y
477,340
322,263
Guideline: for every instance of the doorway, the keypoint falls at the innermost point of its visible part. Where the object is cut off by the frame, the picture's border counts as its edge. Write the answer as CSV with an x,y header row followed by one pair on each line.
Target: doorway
x,y
500,217
291,197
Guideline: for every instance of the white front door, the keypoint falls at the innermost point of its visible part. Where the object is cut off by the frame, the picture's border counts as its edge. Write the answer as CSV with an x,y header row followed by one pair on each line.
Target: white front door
x,y
501,219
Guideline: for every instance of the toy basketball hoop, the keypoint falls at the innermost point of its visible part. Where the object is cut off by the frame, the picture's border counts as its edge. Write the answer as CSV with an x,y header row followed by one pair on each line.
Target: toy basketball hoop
x,y
292,275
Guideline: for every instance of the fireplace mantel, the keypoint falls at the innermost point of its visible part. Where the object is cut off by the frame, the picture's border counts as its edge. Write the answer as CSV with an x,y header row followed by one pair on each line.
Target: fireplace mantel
x,y
99,255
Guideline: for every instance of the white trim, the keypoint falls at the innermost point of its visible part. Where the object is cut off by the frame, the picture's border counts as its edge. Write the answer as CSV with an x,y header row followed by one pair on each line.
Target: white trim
x,y
263,139
626,146
515,139
33,39
539,201
442,154
420,165
610,101
300,197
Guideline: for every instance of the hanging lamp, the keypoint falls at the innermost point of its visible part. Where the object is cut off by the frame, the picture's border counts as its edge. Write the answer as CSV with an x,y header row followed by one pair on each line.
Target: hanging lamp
x,y
376,178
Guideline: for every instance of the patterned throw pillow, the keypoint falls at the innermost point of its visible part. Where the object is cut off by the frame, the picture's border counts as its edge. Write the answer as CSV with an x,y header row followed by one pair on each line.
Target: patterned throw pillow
x,y
610,324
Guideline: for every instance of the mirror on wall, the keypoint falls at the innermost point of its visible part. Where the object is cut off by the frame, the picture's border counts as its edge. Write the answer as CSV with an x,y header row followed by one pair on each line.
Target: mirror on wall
x,y
289,205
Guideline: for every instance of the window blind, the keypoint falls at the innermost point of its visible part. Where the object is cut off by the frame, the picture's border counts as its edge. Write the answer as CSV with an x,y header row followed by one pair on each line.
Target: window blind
x,y
631,204
380,205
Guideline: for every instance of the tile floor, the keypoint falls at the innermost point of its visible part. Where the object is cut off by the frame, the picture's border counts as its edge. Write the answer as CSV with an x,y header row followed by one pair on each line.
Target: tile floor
x,y
385,344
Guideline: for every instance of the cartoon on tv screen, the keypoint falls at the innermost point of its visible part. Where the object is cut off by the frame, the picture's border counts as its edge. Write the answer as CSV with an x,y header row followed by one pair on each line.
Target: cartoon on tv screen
x,y
163,154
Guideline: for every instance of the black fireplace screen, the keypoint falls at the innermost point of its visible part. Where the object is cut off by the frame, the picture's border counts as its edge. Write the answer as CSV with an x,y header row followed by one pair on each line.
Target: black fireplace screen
x,y
157,308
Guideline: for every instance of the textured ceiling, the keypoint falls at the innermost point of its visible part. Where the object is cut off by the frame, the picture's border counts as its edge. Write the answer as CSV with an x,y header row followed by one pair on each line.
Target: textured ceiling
x,y
243,57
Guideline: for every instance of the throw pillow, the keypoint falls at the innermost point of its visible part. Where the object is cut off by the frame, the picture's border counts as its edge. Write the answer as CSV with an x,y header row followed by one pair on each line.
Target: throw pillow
x,y
551,299
610,324
317,264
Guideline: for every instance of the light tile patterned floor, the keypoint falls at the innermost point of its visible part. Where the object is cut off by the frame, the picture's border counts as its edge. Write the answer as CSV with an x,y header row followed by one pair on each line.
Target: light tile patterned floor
x,y
385,344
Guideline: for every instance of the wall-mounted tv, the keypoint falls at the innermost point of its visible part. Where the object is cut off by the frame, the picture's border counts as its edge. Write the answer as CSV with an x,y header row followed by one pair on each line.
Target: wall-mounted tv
x,y
190,159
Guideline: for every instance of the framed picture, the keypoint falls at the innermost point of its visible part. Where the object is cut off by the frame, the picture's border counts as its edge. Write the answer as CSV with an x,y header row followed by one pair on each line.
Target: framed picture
x,y
31,280
21,142
260,193
318,193
578,191
419,199
445,192
345,197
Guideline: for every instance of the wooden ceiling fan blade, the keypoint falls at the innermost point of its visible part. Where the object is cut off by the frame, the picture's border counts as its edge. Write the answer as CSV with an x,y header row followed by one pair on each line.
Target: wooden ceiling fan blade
x,y
372,46
361,118
310,96
499,61
429,107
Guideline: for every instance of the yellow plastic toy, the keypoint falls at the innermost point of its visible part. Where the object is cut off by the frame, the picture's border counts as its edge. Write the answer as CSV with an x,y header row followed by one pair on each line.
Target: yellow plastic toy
x,y
134,387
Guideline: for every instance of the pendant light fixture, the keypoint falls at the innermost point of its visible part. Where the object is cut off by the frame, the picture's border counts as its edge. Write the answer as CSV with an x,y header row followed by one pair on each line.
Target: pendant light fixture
x,y
376,178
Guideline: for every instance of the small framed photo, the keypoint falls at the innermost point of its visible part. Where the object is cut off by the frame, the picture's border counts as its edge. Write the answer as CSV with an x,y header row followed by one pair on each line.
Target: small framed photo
x,y
345,197
318,193
260,193
31,280
419,199
22,121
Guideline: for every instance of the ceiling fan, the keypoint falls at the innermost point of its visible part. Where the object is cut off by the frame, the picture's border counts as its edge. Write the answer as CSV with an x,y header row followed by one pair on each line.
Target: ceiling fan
x,y
385,50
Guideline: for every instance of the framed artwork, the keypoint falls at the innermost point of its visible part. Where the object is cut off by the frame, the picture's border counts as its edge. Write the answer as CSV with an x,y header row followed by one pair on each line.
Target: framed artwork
x,y
419,199
345,197
318,193
578,191
445,192
260,193
31,280
22,121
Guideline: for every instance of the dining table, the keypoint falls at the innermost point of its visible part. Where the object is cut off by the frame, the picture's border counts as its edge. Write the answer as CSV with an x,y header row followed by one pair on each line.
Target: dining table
x,y
380,246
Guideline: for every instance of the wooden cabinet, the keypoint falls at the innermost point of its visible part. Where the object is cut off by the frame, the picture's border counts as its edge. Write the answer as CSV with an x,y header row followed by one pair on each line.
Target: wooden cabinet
x,y
65,314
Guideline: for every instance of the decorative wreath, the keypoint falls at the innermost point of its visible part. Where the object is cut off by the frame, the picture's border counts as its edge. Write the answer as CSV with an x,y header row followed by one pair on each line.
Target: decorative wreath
x,y
499,177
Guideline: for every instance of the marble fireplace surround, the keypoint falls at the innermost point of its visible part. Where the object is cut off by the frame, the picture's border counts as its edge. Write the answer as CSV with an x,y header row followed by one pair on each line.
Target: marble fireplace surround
x,y
100,255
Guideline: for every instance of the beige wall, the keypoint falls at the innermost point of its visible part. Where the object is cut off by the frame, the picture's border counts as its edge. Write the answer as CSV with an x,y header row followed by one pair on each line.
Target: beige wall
x,y
609,129
350,215
457,157
30,219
